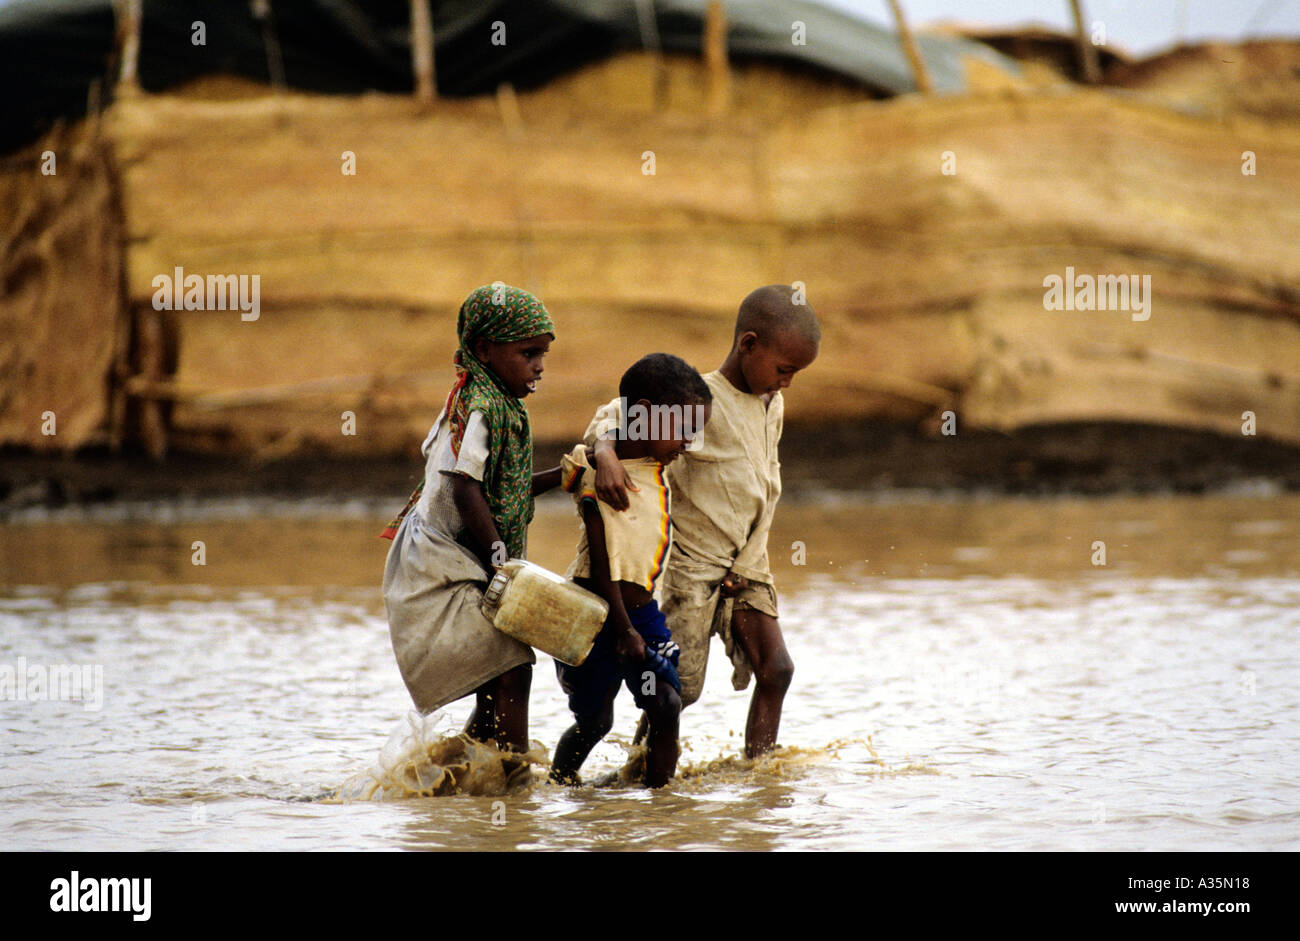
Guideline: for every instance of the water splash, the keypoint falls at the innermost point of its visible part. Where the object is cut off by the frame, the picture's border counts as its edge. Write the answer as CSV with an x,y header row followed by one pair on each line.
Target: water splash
x,y
425,758
785,762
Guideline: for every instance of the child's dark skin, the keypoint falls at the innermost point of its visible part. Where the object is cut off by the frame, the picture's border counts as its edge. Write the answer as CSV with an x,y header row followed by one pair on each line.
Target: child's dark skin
x,y
661,742
758,368
501,710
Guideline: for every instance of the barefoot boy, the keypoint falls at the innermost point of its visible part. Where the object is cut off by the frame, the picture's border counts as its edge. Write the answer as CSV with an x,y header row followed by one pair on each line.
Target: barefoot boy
x,y
725,491
620,556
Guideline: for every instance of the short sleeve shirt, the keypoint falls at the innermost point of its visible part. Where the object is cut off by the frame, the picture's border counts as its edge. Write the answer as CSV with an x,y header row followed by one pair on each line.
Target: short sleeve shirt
x,y
638,539
725,489
436,504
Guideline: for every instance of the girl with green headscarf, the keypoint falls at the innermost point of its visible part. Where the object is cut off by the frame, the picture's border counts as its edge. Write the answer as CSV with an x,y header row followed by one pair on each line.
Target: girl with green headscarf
x,y
471,512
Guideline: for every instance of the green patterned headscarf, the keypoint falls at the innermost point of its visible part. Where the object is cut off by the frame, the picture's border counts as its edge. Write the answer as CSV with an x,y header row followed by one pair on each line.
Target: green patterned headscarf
x,y
501,314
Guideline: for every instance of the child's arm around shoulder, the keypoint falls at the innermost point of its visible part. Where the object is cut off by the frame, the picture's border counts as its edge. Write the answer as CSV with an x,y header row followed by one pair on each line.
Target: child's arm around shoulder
x,y
612,481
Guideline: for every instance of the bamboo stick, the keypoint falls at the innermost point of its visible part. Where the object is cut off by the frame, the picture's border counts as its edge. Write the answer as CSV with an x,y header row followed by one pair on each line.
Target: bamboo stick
x,y
1088,63
426,81
508,107
645,14
715,57
150,354
129,17
913,52
271,42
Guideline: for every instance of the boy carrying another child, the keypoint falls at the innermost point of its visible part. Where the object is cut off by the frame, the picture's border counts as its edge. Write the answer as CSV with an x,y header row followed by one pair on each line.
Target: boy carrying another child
x,y
725,491
620,557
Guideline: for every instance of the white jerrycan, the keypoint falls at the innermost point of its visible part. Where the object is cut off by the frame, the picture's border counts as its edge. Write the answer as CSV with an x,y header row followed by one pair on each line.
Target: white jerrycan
x,y
544,610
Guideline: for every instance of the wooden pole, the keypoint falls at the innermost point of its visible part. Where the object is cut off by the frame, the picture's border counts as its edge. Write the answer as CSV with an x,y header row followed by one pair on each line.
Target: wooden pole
x,y
508,106
715,57
1088,63
919,72
645,14
130,15
270,42
151,355
426,82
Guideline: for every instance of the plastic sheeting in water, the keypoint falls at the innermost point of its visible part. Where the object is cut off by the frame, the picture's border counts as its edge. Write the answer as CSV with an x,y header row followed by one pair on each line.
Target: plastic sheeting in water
x,y
426,757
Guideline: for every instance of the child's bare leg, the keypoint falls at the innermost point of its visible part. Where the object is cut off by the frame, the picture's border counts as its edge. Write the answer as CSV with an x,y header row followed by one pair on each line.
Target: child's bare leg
x,y
501,710
642,727
482,724
512,708
577,742
661,740
760,637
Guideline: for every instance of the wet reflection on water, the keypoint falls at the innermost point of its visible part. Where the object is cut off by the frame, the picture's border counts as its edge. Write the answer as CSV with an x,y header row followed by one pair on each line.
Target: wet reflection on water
x,y
966,678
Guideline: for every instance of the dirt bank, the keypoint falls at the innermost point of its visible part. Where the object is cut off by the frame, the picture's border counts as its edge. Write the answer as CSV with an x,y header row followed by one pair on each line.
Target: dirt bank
x,y
923,229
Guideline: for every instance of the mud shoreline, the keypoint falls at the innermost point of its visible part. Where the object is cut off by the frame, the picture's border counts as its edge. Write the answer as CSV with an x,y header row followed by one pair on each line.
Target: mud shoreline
x,y
847,456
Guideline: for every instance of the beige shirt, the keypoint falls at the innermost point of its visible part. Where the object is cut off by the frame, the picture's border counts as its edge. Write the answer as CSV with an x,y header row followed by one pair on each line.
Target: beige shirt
x,y
638,539
726,488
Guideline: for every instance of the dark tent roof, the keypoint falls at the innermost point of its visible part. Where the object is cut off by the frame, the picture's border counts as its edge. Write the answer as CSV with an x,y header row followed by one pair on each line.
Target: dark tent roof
x,y
51,51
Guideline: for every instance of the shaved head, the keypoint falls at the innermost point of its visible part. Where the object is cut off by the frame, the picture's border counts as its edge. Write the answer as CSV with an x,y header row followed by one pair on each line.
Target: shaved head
x,y
771,312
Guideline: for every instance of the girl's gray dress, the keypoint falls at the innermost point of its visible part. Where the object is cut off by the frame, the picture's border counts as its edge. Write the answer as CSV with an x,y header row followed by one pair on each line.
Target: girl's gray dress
x,y
445,646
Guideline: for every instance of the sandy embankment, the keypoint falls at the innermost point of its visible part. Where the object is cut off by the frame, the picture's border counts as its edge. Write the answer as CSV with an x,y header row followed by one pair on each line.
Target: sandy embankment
x,y
930,284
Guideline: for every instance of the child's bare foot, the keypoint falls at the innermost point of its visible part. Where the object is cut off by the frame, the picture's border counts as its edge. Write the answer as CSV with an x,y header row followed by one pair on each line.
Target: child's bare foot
x,y
567,780
518,772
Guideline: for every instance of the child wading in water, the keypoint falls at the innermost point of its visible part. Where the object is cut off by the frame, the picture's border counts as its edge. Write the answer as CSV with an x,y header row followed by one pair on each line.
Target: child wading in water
x,y
620,557
724,495
470,513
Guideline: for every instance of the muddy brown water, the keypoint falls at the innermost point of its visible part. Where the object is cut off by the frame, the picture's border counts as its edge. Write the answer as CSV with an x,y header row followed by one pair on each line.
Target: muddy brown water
x,y
966,678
